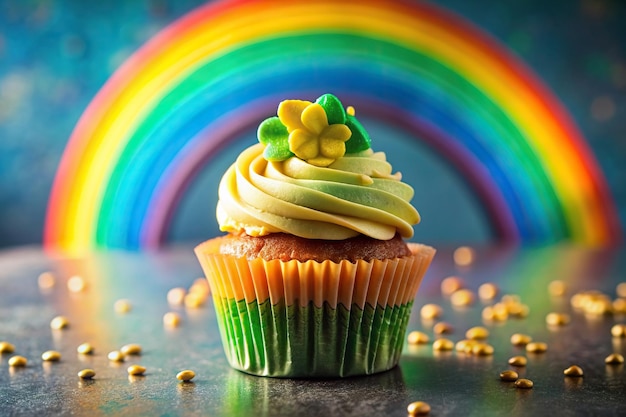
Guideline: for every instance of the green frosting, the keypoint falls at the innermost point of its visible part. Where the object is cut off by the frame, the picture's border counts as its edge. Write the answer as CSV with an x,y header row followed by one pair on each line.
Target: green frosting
x,y
308,341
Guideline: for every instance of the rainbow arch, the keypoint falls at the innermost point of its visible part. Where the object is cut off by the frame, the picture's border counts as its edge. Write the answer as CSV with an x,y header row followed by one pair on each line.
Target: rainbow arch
x,y
222,68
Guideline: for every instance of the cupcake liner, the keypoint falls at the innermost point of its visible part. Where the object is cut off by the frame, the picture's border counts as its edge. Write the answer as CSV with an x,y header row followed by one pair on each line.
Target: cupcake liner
x,y
313,319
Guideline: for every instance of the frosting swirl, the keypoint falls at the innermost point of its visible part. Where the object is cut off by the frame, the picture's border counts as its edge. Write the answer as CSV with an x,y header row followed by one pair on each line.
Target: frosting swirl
x,y
333,195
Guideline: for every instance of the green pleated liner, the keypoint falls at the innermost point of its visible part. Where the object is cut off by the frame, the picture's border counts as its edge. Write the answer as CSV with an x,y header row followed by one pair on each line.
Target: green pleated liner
x,y
311,319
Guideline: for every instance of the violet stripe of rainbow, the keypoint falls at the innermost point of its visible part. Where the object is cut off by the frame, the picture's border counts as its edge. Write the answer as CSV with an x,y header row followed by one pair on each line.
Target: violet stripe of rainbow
x,y
567,187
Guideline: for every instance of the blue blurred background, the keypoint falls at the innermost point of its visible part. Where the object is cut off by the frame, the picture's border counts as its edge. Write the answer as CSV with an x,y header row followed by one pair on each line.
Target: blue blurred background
x,y
56,55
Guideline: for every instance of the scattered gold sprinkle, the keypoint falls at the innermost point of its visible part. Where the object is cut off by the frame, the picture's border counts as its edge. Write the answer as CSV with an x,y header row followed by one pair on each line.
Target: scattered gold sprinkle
x,y
536,347
614,359
17,360
176,296
418,408
482,349
618,330
518,361
450,285
621,290
431,311
200,286
194,300
136,370
593,303
463,256
442,328
557,288
488,291
509,376
417,338
574,370
557,319
520,339
496,312
85,349
116,356
131,349
76,283
477,333
46,280
59,322
462,298
86,374
465,345
122,306
6,347
51,356
524,383
186,375
171,319
514,306
443,344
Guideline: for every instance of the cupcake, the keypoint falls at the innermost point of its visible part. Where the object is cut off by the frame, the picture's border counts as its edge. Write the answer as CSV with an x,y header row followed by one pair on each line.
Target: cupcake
x,y
313,277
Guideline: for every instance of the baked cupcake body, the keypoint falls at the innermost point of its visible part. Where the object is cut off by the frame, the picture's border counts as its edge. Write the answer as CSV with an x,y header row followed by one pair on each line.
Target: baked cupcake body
x,y
313,278
312,319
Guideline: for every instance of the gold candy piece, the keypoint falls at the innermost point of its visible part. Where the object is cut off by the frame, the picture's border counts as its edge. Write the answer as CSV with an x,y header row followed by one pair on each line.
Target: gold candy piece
x,y
524,383
465,345
443,344
518,361
477,333
51,356
171,319
482,349
462,298
418,408
86,373
46,280
85,349
442,328
17,361
520,339
450,285
614,359
122,306
509,376
131,349
417,338
488,291
618,330
574,371
6,347
557,319
116,356
186,375
463,256
176,296
431,311
557,288
136,370
59,323
76,284
536,347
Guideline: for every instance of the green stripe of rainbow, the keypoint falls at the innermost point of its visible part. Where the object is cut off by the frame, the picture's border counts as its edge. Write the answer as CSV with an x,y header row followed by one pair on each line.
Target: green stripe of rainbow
x,y
223,67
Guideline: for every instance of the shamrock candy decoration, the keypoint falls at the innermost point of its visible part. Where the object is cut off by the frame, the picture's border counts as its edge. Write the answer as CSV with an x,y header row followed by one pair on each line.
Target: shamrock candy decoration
x,y
318,133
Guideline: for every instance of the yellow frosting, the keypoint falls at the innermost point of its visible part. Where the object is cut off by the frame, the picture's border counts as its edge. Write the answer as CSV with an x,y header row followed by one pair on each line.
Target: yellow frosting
x,y
355,194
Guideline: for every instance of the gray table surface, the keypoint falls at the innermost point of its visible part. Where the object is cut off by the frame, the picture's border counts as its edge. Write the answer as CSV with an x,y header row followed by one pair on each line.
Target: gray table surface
x,y
453,384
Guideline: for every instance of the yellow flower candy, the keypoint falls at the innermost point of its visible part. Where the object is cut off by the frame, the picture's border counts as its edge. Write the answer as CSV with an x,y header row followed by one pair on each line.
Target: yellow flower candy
x,y
311,138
